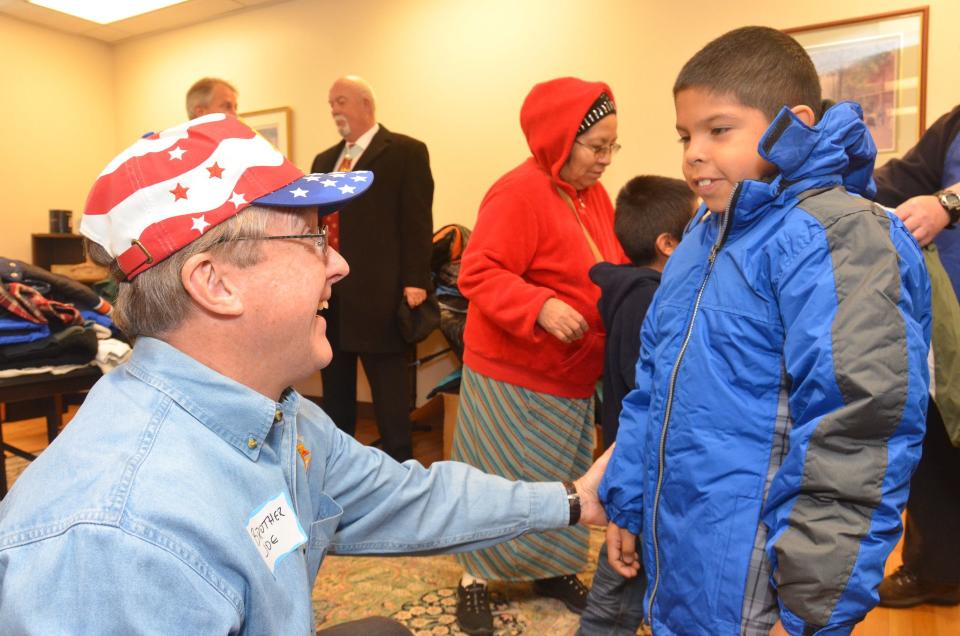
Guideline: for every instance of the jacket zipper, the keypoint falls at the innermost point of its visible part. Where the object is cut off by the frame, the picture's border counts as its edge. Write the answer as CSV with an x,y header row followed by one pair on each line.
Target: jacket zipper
x,y
721,237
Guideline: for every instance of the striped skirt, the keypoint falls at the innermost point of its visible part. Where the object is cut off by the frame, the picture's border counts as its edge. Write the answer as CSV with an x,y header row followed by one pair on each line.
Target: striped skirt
x,y
521,434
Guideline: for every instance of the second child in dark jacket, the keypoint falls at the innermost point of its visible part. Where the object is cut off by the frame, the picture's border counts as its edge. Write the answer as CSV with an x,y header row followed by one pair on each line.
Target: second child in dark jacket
x,y
650,216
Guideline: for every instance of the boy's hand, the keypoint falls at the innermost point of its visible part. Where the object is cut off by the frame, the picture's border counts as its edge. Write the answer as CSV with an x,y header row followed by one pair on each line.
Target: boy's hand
x,y
561,321
777,630
622,551
591,511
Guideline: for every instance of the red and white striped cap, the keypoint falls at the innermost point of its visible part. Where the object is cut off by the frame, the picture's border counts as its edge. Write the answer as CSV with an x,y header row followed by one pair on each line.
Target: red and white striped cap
x,y
168,188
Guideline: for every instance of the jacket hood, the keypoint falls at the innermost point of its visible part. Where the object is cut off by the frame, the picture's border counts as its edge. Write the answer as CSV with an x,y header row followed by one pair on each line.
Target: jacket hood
x,y
616,282
550,116
838,150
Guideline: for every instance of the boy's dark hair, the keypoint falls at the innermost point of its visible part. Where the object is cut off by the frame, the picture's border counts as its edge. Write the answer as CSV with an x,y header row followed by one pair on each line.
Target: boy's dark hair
x,y
648,206
763,68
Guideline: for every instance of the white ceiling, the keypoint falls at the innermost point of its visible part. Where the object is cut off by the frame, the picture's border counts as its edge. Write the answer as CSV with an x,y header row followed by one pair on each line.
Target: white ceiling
x,y
179,15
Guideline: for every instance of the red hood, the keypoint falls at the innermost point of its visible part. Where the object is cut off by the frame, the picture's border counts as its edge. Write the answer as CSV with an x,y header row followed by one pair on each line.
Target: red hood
x,y
550,116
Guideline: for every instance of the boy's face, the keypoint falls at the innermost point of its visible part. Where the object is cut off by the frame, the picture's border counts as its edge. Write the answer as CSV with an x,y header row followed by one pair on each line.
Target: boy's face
x,y
720,138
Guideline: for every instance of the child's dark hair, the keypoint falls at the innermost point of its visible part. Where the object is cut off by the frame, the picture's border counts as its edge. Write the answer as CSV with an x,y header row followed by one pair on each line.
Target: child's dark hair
x,y
648,206
763,68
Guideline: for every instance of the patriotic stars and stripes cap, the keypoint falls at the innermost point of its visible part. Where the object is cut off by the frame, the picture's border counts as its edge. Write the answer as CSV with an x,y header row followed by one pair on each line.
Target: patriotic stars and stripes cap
x,y
168,188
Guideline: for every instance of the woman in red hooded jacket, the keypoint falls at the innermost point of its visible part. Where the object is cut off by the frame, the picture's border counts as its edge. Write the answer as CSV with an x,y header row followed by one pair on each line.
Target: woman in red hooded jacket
x,y
534,339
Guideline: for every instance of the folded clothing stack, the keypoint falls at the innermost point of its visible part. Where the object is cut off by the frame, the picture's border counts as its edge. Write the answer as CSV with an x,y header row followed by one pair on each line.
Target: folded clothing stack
x,y
47,319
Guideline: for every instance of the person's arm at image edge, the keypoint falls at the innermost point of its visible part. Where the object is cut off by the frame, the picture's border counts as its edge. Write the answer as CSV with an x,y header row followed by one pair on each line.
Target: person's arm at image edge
x,y
909,184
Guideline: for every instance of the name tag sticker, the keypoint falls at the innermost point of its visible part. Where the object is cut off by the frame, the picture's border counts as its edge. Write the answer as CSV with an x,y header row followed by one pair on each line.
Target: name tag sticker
x,y
275,530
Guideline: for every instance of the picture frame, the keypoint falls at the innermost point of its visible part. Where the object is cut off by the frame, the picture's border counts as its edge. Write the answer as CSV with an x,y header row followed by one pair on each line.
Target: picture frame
x,y
879,61
275,125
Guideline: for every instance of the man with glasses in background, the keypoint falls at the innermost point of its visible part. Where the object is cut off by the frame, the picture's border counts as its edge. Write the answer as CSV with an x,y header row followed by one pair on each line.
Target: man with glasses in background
x,y
211,95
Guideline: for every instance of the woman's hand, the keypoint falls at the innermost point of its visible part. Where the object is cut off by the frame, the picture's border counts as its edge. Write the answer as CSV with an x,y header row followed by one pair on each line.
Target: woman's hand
x,y
561,321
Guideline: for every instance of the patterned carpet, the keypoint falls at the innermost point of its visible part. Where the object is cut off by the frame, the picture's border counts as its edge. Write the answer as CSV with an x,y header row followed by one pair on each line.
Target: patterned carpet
x,y
420,592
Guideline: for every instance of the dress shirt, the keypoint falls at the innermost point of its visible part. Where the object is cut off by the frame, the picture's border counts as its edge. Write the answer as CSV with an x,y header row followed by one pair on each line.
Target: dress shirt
x,y
356,148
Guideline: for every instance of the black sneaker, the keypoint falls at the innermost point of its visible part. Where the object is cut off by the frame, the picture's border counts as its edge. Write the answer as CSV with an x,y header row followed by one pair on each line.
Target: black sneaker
x,y
567,588
473,610
904,589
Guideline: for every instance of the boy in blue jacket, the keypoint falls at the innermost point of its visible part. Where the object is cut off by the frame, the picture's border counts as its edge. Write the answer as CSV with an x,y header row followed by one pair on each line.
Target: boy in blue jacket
x,y
765,453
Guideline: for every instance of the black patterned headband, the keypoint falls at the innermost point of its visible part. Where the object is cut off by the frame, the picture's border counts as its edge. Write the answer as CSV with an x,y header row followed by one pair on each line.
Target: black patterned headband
x,y
600,108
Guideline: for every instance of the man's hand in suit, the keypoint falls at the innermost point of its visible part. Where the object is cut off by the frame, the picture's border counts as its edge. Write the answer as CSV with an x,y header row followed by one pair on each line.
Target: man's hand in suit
x,y
414,296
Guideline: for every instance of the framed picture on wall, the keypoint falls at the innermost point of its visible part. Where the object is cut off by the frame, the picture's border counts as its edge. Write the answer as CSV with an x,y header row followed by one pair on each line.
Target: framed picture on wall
x,y
879,61
276,126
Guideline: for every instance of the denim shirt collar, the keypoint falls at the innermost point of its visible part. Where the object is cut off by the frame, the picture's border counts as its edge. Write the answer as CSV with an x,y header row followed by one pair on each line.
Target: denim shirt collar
x,y
236,413
838,150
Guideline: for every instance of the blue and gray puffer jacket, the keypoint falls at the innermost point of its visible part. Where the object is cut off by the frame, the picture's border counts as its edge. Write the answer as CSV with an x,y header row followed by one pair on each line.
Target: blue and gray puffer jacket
x,y
766,452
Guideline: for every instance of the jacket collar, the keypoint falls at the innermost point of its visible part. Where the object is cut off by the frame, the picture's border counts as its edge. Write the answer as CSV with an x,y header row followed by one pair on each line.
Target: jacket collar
x,y
838,150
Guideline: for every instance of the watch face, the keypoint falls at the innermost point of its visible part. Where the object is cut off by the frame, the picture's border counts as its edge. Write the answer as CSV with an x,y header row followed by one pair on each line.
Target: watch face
x,y
950,200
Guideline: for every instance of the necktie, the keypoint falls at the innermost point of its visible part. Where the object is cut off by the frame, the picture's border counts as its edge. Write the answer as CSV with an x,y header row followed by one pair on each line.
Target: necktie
x,y
333,220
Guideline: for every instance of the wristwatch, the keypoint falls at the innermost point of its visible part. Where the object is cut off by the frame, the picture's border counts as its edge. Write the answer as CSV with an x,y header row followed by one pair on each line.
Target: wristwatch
x,y
950,201
573,500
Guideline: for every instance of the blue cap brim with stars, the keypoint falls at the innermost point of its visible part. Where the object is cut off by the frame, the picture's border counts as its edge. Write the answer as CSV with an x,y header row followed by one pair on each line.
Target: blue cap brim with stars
x,y
328,191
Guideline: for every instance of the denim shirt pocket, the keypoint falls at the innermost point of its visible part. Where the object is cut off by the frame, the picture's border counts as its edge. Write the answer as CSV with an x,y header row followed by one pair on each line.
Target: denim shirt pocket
x,y
322,531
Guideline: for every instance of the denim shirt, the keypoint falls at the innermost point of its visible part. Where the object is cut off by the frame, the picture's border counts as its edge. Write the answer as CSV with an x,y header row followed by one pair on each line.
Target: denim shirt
x,y
139,517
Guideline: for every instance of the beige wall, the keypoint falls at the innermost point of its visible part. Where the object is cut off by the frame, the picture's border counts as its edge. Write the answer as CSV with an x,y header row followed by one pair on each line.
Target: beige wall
x,y
454,72
451,72
58,126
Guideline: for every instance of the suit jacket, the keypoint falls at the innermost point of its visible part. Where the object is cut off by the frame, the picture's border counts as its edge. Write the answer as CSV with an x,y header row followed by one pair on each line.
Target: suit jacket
x,y
386,237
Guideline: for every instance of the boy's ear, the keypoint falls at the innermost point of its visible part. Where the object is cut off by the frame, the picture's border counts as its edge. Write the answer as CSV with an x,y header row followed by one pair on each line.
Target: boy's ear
x,y
666,243
805,114
210,284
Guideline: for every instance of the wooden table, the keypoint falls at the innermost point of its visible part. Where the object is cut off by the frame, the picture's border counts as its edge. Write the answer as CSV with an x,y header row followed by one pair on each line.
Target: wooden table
x,y
43,386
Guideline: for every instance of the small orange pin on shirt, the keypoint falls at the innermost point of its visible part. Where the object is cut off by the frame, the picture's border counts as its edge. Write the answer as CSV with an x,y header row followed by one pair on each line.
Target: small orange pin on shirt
x,y
304,454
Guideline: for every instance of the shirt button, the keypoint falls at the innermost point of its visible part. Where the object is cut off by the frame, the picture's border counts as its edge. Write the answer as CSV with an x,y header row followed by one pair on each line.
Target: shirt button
x,y
277,416
252,443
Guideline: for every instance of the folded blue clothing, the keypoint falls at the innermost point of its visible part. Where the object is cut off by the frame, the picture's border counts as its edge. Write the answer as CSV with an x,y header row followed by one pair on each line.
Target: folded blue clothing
x,y
98,318
17,330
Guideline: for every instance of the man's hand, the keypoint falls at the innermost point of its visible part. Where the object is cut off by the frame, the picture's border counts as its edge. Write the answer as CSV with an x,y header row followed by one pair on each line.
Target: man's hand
x,y
924,217
622,551
414,296
591,511
561,321
779,630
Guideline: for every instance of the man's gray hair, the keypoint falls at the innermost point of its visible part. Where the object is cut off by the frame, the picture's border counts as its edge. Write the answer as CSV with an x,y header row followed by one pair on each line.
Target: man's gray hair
x,y
199,94
155,302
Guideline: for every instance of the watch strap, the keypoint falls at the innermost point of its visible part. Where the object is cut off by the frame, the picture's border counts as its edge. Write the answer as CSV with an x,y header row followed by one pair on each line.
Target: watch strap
x,y
573,500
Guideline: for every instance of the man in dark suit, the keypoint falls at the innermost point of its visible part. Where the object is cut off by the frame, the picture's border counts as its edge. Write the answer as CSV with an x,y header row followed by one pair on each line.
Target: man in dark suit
x,y
386,237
